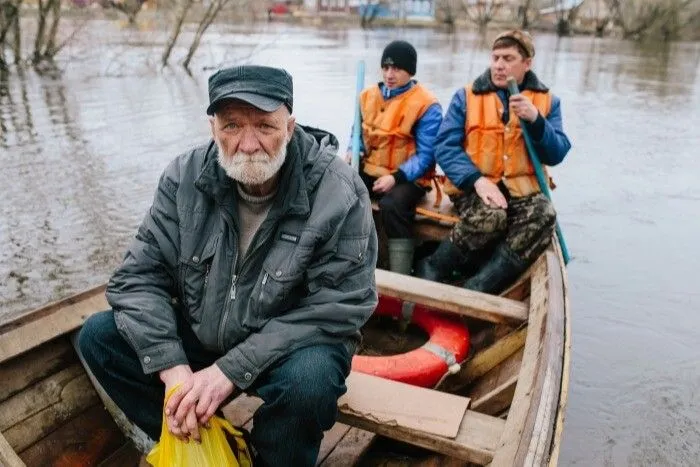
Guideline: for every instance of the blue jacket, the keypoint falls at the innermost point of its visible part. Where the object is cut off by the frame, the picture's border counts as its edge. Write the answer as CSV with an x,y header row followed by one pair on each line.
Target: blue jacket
x,y
547,136
424,131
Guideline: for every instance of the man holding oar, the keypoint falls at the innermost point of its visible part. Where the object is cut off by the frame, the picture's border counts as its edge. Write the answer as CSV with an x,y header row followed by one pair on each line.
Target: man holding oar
x,y
492,183
400,119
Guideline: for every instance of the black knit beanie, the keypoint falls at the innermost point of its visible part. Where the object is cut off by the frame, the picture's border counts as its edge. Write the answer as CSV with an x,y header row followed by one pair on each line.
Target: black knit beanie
x,y
402,55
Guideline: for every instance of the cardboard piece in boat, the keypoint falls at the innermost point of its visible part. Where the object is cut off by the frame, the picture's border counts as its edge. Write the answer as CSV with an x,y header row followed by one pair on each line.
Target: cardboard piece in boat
x,y
402,405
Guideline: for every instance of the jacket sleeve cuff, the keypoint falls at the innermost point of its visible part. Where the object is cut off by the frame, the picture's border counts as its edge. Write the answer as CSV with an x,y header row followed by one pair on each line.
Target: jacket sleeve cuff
x,y
238,369
400,177
161,357
536,128
468,183
157,357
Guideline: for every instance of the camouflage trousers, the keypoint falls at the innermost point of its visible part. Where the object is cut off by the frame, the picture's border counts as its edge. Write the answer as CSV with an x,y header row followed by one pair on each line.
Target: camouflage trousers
x,y
526,225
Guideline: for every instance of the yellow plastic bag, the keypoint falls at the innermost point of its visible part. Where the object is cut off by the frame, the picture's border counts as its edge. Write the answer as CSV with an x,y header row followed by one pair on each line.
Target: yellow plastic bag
x,y
213,451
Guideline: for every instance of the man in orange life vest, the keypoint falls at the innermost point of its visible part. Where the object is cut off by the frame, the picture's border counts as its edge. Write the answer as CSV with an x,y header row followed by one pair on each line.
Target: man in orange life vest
x,y
492,182
400,119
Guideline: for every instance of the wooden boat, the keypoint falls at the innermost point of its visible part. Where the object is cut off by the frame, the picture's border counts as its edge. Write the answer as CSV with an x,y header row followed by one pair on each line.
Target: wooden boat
x,y
508,397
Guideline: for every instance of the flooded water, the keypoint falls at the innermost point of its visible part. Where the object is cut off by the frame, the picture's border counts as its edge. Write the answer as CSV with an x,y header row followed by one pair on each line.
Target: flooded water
x,y
81,152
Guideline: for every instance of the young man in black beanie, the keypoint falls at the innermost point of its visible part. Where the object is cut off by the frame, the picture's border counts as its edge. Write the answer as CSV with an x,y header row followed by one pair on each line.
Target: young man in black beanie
x,y
400,119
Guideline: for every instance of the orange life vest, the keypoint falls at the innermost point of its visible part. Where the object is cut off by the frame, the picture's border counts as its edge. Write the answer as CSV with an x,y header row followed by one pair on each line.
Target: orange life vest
x,y
386,129
497,149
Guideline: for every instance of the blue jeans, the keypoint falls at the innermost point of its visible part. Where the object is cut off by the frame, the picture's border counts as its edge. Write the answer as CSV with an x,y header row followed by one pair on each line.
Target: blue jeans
x,y
300,391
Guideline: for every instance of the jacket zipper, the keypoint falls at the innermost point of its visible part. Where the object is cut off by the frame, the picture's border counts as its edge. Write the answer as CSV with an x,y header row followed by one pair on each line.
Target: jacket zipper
x,y
232,292
233,287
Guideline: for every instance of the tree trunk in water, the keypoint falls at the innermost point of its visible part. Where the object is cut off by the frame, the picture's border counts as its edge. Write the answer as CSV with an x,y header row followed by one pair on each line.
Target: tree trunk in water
x,y
563,27
175,33
209,16
50,49
17,36
40,30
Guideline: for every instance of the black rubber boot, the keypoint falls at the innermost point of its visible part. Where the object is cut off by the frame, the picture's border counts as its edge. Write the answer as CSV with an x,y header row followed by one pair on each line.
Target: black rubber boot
x,y
439,266
500,270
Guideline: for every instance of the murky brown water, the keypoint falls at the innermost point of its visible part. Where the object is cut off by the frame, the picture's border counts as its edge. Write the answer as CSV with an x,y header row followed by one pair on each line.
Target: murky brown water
x,y
80,154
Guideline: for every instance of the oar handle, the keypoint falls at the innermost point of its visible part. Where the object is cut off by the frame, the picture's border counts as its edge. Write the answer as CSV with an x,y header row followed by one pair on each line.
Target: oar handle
x,y
357,126
539,171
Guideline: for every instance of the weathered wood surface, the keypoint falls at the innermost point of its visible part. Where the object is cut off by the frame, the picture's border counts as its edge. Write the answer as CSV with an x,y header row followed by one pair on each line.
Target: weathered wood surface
x,y
30,368
540,423
498,399
350,449
87,439
35,328
8,456
33,414
445,297
566,367
125,456
486,360
513,433
38,397
475,442
402,405
508,369
331,438
537,391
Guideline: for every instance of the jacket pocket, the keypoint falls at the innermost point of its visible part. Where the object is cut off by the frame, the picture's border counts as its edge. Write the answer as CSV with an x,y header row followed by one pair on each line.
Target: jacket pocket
x,y
195,274
353,249
281,276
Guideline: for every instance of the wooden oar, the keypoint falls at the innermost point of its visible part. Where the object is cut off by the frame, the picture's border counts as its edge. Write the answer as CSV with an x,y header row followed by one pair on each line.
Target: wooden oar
x,y
539,171
357,127
437,216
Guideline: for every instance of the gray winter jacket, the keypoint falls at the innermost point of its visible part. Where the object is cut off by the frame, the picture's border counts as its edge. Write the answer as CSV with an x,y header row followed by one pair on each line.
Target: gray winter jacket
x,y
307,278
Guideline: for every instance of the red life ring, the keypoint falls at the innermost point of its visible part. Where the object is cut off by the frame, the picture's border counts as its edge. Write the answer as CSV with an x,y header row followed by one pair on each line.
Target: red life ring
x,y
425,366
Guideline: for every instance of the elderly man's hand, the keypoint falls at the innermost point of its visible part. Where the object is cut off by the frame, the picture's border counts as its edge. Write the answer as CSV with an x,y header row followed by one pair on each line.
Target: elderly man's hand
x,y
523,108
208,389
187,425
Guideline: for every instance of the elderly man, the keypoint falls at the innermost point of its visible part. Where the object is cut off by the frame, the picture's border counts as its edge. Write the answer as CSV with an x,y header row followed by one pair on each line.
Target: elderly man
x,y
492,182
253,270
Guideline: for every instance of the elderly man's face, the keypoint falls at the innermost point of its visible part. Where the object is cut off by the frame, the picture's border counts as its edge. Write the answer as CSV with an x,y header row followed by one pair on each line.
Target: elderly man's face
x,y
252,143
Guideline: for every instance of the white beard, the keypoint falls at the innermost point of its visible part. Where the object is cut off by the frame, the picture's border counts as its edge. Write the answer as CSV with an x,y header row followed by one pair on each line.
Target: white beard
x,y
252,169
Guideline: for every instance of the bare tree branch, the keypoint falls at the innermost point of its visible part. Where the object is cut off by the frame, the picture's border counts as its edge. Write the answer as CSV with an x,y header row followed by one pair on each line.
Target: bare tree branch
x,y
183,8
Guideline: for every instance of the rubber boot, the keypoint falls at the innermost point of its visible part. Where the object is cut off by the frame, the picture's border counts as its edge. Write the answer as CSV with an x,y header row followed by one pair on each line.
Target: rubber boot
x,y
439,266
401,255
500,270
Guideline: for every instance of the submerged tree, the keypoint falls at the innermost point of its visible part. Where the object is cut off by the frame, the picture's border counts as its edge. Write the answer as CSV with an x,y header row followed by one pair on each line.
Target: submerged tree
x,y
183,8
447,12
214,8
527,11
49,15
566,12
482,12
663,18
130,8
10,30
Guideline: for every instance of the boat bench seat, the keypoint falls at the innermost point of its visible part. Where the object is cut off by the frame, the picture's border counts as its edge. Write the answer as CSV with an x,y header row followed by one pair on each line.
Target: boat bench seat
x,y
364,406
